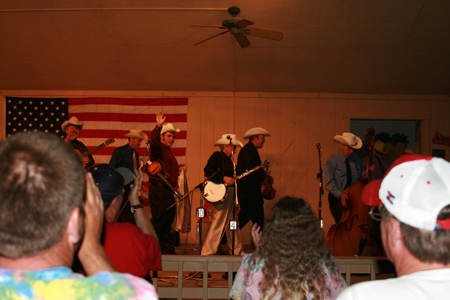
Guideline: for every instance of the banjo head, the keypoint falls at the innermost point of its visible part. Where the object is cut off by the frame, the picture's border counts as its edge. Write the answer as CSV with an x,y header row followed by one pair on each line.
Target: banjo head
x,y
214,192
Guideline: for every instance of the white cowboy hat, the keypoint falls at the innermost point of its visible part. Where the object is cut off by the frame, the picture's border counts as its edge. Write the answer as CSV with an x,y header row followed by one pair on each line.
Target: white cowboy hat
x,y
256,131
169,128
349,139
229,139
380,147
136,134
72,121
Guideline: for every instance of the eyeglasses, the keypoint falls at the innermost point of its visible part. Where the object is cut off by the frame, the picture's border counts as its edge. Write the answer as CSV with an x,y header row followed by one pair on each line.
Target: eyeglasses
x,y
375,214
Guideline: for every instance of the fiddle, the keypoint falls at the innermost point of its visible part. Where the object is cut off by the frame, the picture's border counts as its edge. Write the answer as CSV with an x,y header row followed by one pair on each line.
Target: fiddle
x,y
268,190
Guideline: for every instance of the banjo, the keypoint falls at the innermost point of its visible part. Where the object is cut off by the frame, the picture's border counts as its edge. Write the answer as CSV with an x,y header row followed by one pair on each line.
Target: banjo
x,y
217,192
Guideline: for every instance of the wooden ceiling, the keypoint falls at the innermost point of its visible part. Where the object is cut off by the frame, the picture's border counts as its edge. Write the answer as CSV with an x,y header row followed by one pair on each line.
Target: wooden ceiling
x,y
329,46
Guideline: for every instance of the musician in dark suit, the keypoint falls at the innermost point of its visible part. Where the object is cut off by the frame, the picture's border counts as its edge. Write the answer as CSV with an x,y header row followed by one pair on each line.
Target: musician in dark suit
x,y
222,165
160,195
72,129
127,157
249,188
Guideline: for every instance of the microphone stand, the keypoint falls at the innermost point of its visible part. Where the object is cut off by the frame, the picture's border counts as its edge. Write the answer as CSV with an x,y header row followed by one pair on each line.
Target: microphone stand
x,y
235,199
193,190
200,186
320,177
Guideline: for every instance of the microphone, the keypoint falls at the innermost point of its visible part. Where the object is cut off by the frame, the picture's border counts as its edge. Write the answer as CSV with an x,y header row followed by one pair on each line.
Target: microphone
x,y
148,142
229,138
318,145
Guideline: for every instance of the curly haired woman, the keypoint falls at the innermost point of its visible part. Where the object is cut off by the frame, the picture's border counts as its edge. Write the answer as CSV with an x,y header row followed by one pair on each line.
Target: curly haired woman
x,y
291,260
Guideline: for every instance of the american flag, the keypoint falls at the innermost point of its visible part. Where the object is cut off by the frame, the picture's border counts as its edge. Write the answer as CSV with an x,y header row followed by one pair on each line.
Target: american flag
x,y
34,114
102,118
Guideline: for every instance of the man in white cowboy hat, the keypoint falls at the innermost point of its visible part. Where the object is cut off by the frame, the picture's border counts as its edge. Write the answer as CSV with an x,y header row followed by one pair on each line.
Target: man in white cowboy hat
x,y
413,199
249,187
343,169
380,161
127,157
72,129
222,165
160,195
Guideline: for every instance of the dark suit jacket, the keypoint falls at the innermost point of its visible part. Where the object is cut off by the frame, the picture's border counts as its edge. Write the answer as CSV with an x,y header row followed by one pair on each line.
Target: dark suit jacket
x,y
249,187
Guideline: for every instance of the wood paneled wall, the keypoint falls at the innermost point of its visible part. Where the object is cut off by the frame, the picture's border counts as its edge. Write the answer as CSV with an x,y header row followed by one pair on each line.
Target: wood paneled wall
x,y
297,122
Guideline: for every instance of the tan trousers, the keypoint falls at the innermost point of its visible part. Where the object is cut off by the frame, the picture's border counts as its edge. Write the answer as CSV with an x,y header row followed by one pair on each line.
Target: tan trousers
x,y
222,213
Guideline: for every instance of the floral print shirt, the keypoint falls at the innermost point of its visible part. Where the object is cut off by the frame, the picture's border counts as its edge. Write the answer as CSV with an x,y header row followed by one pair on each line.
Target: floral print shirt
x,y
243,291
61,283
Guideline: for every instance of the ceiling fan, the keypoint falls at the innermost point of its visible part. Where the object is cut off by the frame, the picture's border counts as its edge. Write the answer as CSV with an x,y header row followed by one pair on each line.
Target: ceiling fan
x,y
238,28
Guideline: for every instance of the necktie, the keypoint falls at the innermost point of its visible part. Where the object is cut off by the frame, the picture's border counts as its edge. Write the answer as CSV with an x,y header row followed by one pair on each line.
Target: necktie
x,y
349,174
134,161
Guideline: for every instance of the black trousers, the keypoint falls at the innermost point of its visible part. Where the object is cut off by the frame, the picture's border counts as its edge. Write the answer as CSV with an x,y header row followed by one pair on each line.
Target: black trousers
x,y
335,209
160,198
251,211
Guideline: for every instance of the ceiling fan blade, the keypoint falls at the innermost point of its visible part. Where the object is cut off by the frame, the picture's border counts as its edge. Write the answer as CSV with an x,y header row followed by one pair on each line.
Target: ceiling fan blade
x,y
210,26
242,39
212,37
243,23
264,33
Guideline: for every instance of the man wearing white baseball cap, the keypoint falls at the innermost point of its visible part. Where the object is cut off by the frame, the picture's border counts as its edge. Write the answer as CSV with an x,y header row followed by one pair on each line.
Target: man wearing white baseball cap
x,y
343,169
414,202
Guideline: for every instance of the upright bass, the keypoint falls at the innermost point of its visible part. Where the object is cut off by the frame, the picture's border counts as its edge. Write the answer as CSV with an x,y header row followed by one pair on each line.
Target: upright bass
x,y
351,234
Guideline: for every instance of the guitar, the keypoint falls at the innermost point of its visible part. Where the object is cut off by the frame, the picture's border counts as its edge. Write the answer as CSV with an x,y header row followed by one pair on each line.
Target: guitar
x,y
155,168
84,154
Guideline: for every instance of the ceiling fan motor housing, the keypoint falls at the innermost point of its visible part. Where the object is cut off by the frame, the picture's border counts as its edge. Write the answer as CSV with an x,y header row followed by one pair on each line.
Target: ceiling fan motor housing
x,y
234,10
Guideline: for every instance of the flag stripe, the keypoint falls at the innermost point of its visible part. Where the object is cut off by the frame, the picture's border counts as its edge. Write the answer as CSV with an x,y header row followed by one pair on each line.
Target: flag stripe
x,y
109,150
86,133
104,159
126,117
132,101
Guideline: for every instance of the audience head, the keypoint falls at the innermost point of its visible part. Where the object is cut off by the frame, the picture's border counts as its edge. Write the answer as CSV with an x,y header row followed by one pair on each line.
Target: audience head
x,y
42,181
416,193
293,243
110,181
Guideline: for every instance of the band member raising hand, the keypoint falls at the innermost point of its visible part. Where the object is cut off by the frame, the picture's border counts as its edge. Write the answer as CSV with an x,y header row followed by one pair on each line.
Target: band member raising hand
x,y
160,195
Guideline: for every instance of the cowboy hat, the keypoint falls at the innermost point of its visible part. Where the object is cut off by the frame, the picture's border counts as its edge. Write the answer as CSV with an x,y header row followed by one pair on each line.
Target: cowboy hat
x,y
380,147
228,139
136,134
169,128
72,121
256,131
349,139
